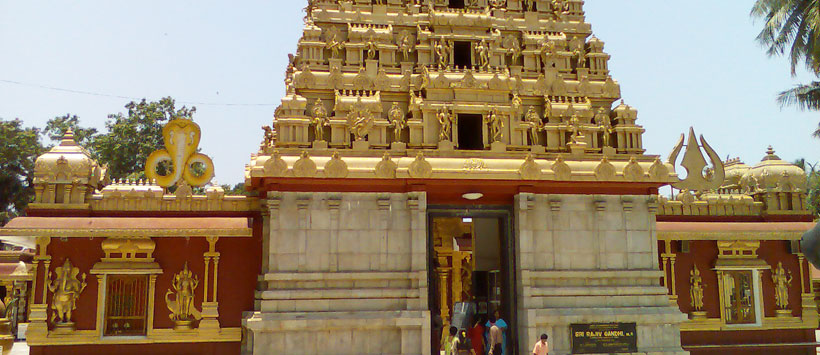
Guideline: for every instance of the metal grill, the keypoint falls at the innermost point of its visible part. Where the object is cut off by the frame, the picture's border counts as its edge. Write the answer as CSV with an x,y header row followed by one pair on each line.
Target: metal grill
x,y
125,305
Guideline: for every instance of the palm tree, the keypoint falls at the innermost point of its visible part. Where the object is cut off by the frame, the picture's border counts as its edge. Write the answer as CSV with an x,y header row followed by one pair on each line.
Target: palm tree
x,y
793,25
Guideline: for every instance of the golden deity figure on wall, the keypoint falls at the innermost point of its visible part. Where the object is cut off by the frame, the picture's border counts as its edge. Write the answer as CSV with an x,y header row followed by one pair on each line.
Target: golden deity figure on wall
x,y
445,119
320,119
66,288
534,124
398,120
183,311
496,123
696,287
782,279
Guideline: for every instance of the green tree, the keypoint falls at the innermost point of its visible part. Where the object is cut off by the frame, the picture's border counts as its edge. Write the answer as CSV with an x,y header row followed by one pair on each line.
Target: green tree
x,y
812,184
20,149
238,189
133,136
793,26
58,126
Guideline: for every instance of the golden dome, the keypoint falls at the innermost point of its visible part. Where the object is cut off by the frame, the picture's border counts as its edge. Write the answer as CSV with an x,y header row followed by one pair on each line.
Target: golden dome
x,y
774,173
68,163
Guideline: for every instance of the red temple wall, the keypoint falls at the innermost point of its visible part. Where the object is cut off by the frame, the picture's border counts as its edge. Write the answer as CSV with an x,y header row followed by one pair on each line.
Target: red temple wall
x,y
239,265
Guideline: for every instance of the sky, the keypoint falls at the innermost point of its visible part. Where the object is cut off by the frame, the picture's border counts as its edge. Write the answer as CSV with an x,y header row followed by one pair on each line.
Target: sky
x,y
680,63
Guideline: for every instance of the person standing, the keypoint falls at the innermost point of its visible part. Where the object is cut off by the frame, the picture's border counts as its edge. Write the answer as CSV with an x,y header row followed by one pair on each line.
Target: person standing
x,y
477,336
447,344
542,346
495,338
502,326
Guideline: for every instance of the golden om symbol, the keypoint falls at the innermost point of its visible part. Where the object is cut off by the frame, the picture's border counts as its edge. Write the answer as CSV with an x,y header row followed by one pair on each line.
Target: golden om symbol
x,y
181,139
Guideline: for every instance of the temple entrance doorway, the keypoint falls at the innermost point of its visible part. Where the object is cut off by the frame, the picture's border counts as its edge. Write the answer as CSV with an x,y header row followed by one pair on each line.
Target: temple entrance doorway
x,y
471,270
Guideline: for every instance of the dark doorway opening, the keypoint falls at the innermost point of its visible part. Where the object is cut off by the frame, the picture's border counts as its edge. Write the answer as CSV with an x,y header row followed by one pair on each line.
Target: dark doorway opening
x,y
463,55
471,271
456,4
470,132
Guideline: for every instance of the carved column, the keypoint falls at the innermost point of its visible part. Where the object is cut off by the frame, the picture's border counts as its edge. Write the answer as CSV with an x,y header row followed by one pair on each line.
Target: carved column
x,y
210,309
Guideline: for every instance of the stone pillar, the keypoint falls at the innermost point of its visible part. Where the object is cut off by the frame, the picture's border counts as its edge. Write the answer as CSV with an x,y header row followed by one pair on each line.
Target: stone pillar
x,y
591,259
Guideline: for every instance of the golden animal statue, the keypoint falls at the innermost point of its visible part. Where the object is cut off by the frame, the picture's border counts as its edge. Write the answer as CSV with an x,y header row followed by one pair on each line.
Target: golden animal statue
x,y
782,279
697,179
181,137
696,289
66,288
183,311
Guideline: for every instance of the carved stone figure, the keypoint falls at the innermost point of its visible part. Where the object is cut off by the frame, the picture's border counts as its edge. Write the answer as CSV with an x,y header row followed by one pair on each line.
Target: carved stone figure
x,y
181,137
183,311
529,5
782,279
516,104
534,123
372,48
575,128
605,125
406,43
270,136
445,119
333,43
66,289
559,8
514,48
498,4
360,120
442,49
496,123
581,58
398,120
425,78
483,54
696,287
319,119
548,52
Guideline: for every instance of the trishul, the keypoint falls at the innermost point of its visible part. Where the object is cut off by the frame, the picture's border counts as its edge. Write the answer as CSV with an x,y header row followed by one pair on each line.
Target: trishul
x,y
181,137
694,163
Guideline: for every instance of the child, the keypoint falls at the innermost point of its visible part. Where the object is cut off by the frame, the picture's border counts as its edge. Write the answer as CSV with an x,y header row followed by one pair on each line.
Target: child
x,y
542,346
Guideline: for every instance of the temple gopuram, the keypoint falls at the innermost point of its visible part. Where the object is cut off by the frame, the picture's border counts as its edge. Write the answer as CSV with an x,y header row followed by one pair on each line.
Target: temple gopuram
x,y
433,162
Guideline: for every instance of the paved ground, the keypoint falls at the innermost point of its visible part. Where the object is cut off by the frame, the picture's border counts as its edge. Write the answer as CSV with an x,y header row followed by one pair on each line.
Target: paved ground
x,y
19,348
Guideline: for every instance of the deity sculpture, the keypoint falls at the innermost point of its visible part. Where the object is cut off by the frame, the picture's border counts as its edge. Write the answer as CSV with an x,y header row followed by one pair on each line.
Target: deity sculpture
x,y
514,48
496,123
483,54
529,5
534,124
443,53
183,311
66,288
398,120
782,279
359,120
498,4
696,287
405,44
181,138
516,104
605,125
270,136
425,77
559,8
333,43
548,52
372,48
575,128
445,119
319,119
581,58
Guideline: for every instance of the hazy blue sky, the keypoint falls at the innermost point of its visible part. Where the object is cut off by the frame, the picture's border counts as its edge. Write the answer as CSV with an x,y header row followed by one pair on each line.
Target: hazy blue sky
x,y
680,63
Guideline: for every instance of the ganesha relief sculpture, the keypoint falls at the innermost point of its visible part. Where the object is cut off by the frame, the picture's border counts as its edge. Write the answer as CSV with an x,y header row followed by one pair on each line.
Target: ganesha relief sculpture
x,y
66,288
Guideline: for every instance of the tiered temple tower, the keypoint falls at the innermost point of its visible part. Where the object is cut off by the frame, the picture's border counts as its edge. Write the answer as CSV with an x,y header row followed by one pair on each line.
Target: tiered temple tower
x,y
400,109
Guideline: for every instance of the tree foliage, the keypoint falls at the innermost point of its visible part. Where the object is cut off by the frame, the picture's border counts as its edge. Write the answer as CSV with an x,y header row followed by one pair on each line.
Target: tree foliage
x,y
57,127
19,150
793,26
133,136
